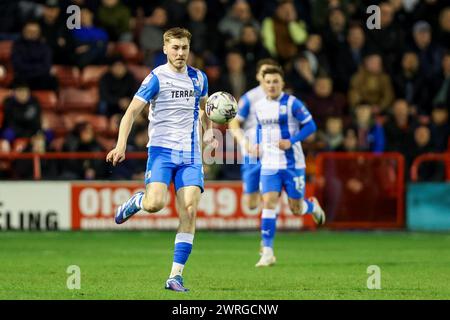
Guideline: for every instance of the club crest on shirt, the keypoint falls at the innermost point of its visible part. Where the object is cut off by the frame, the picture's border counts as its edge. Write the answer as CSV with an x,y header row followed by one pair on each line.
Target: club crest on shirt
x,y
283,109
195,82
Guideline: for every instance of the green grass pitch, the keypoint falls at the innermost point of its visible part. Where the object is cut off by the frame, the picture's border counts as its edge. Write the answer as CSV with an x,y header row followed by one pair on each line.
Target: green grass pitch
x,y
311,265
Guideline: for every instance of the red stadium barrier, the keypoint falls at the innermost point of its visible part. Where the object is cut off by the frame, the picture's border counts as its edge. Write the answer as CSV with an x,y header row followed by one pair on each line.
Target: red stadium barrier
x,y
357,190
427,157
361,190
91,204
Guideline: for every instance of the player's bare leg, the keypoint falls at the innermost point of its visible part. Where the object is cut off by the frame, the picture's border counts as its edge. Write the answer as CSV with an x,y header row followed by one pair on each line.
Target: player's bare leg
x,y
152,200
252,200
155,197
310,206
187,200
268,228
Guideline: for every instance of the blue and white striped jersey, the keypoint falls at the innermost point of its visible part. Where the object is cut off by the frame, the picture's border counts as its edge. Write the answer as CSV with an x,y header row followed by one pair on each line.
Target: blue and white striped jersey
x,y
246,113
280,119
174,107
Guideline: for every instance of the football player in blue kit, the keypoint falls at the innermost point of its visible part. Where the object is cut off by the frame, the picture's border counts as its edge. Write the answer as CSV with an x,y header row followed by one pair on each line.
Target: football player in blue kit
x,y
176,94
283,122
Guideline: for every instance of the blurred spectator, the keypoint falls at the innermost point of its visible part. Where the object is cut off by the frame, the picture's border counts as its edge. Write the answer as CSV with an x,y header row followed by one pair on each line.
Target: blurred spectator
x,y
301,76
56,34
90,41
443,35
32,59
22,114
399,129
92,5
9,22
114,17
82,139
133,168
350,143
323,102
14,14
403,11
423,144
316,53
441,83
389,39
3,73
320,10
333,136
231,25
117,87
429,54
283,32
151,37
370,134
23,169
371,84
335,34
204,41
251,49
349,57
429,10
233,79
410,84
440,128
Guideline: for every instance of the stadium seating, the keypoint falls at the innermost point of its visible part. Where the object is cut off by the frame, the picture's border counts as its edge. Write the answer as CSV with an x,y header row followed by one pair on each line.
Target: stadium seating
x,y
53,121
106,143
20,144
138,71
47,99
4,146
6,76
4,93
129,51
91,75
5,51
57,144
100,123
75,99
67,76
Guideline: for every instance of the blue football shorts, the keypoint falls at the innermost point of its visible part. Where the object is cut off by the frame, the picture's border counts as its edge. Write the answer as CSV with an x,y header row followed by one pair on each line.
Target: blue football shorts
x,y
292,180
166,165
250,174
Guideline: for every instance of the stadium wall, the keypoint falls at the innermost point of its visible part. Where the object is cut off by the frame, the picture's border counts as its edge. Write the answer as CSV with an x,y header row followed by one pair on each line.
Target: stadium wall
x,y
31,206
428,207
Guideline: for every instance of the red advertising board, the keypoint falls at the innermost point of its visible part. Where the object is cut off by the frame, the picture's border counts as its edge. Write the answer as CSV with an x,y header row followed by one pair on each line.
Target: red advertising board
x,y
93,206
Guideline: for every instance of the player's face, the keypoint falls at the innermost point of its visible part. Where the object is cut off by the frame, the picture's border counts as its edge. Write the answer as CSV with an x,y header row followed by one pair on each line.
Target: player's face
x,y
177,51
273,85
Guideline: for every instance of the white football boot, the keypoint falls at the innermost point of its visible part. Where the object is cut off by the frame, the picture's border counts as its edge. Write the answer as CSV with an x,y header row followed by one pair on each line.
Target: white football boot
x,y
318,213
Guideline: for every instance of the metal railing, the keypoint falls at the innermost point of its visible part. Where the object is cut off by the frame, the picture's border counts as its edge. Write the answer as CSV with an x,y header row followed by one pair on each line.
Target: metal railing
x,y
427,157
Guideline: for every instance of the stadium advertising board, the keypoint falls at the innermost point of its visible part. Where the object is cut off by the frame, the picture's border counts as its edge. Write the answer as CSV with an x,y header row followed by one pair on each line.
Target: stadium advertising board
x,y
221,207
43,206
34,206
428,206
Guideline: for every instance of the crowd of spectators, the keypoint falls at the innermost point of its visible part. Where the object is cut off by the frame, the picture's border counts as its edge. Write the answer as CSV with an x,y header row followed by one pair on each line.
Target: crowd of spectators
x,y
373,90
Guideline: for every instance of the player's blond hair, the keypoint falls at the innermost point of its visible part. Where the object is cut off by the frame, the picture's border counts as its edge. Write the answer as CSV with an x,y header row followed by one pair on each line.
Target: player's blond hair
x,y
177,33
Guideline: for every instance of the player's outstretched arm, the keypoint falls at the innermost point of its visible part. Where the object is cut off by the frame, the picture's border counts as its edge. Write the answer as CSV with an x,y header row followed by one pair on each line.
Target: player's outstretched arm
x,y
237,132
208,134
117,154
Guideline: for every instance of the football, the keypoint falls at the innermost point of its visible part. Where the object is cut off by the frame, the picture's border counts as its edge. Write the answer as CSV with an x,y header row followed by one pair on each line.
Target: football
x,y
221,107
